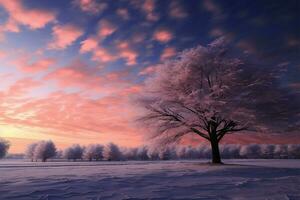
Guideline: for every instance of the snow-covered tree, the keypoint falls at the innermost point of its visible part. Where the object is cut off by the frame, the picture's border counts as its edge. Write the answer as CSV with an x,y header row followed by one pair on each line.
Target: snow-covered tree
x,y
164,154
191,153
30,151
181,152
267,150
250,151
153,153
44,150
4,146
142,153
293,150
130,153
112,152
94,151
204,151
208,92
59,154
230,150
74,152
167,153
280,151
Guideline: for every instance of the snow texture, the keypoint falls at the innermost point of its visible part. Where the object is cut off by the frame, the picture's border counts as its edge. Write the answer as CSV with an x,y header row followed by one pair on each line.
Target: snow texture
x,y
238,179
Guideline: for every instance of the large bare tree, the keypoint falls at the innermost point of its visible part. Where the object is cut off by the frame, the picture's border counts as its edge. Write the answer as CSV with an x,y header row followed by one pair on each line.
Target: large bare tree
x,y
207,92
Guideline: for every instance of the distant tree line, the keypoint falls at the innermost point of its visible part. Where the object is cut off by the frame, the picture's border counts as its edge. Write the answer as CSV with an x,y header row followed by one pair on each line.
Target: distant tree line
x,y
44,150
4,146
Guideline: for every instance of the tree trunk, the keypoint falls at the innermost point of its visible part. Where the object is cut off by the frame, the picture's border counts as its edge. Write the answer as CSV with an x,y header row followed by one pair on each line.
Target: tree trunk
x,y
216,158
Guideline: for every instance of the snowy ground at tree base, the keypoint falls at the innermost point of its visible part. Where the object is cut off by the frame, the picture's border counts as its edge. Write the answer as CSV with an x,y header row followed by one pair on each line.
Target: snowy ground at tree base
x,y
237,179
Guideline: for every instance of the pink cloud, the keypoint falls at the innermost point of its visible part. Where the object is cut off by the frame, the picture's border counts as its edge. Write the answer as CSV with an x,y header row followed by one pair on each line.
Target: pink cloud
x,y
131,90
138,37
33,67
210,6
148,70
168,53
163,35
19,15
106,28
69,115
217,32
65,115
293,41
113,76
99,53
177,11
128,54
90,79
247,46
123,45
91,6
2,36
149,7
295,86
11,26
102,55
3,54
21,87
213,8
123,13
77,74
64,36
88,45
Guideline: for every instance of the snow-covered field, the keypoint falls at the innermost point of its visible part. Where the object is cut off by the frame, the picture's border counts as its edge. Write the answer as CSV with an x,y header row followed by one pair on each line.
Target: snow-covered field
x,y
239,179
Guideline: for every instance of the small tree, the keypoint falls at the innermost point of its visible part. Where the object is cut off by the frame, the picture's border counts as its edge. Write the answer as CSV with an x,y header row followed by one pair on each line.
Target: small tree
x,y
44,150
98,152
4,146
112,152
94,151
30,151
153,153
142,153
250,151
192,153
206,92
59,154
89,153
230,150
167,154
74,152
130,153
267,150
294,150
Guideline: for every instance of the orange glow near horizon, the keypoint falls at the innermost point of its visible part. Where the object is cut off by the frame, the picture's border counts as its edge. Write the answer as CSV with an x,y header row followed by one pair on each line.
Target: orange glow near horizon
x,y
19,139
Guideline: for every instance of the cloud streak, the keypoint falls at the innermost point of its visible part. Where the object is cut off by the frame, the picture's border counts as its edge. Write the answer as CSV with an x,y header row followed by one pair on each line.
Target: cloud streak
x,y
64,36
19,15
163,35
91,6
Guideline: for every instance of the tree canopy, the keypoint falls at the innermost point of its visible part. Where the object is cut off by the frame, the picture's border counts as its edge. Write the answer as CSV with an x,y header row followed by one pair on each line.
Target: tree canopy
x,y
208,91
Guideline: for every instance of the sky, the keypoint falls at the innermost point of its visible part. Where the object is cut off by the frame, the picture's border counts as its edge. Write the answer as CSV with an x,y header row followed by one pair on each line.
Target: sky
x,y
71,68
